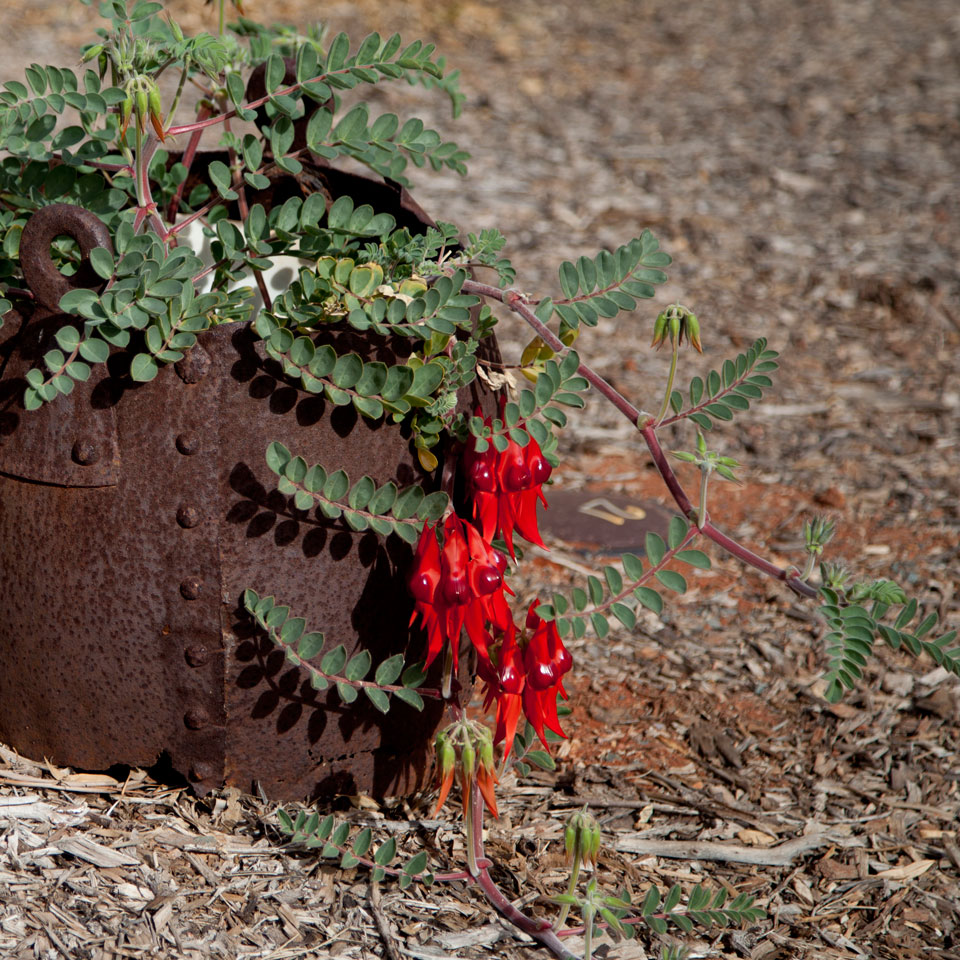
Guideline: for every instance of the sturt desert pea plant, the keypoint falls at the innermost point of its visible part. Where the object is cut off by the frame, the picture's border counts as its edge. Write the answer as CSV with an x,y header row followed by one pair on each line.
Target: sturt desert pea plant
x,y
359,271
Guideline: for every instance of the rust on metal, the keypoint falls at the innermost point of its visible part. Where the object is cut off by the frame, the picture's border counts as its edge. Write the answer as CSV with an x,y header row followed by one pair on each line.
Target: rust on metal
x,y
133,516
188,443
85,452
191,588
196,655
188,516
43,278
194,366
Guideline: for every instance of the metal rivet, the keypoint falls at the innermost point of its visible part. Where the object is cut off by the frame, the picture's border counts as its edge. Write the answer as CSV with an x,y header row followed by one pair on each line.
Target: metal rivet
x,y
191,587
85,453
188,444
196,718
201,771
193,367
196,655
188,516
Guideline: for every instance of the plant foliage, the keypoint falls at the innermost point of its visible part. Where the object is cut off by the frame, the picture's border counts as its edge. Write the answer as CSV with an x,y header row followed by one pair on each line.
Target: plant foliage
x,y
346,674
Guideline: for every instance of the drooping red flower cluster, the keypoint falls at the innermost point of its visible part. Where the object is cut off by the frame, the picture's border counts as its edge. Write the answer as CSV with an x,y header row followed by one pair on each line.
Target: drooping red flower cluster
x,y
460,585
505,487
525,673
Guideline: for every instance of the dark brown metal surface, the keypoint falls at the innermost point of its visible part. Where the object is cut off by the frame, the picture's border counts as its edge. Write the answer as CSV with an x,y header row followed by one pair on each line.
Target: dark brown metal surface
x,y
601,523
46,282
132,517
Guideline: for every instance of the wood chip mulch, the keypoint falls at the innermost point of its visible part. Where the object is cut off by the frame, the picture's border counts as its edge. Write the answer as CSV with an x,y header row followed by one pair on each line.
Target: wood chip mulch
x,y
800,163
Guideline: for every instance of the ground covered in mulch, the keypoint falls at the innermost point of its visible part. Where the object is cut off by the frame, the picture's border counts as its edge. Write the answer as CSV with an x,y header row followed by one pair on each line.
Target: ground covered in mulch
x,y
799,162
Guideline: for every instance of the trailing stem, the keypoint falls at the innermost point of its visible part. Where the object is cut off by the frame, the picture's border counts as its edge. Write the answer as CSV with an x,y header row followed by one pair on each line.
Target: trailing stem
x,y
540,930
647,425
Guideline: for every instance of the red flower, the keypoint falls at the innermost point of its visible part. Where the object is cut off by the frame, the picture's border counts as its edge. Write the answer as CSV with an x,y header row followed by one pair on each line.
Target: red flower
x,y
526,679
456,586
504,682
546,660
505,487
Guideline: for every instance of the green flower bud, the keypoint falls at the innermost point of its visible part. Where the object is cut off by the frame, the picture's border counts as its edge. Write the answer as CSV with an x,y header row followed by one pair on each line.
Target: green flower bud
x,y
126,107
569,839
446,755
582,837
659,330
693,332
486,754
153,97
92,52
142,103
468,759
675,324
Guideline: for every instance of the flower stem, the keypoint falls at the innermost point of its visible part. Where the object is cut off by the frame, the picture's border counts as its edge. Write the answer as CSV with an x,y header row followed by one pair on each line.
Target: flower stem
x,y
187,160
472,810
540,930
446,684
675,352
571,886
702,512
588,912
179,93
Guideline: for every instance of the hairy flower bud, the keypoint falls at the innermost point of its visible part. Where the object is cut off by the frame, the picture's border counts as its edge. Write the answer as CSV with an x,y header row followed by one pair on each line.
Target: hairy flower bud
x,y
142,104
581,837
468,759
675,323
446,755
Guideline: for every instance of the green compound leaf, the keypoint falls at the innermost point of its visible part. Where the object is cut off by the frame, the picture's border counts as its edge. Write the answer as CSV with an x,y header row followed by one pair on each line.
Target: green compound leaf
x,y
416,865
410,697
696,558
378,698
650,599
277,457
600,625
624,614
310,645
672,580
334,660
386,852
655,547
677,531
541,759
143,368
614,580
388,671
358,666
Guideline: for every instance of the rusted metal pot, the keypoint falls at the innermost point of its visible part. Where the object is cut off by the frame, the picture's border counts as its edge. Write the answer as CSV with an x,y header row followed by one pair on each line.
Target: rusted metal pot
x,y
132,517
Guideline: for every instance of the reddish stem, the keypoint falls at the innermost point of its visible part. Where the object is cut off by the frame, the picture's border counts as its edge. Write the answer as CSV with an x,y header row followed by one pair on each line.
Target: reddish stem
x,y
646,424
187,160
540,930
244,210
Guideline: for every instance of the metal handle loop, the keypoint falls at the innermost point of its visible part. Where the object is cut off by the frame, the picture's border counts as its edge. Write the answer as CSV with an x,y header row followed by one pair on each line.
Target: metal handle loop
x,y
46,282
